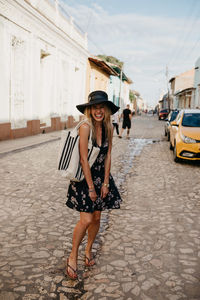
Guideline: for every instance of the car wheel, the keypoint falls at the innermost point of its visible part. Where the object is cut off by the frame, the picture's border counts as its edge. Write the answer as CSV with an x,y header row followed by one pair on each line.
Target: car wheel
x,y
170,146
176,159
168,136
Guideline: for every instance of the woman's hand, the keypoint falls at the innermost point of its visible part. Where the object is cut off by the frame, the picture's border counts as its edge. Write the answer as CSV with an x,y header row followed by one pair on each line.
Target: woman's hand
x,y
104,191
93,195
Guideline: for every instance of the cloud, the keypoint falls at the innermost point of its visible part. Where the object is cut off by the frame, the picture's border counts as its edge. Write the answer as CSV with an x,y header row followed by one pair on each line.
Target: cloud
x,y
146,44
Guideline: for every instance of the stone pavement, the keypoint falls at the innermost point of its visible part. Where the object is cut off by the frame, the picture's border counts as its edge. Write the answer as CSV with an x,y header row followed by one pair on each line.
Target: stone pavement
x,y
148,250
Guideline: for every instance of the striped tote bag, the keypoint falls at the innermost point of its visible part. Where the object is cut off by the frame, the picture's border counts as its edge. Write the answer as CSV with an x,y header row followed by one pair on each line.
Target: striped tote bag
x,y
69,158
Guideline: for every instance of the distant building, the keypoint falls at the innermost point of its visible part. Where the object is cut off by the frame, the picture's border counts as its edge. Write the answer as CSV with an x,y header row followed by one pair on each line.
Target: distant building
x,y
137,102
196,101
102,75
182,90
141,105
98,75
166,102
172,91
43,59
119,87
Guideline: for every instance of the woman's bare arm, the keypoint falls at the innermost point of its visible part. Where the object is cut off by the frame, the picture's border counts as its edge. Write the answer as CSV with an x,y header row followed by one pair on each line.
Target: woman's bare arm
x,y
107,166
84,132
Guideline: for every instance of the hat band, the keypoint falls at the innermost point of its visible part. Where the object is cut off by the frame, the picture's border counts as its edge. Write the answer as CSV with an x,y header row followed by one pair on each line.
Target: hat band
x,y
97,97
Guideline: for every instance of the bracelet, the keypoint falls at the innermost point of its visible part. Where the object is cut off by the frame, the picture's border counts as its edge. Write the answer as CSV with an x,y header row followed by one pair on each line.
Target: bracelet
x,y
91,190
106,185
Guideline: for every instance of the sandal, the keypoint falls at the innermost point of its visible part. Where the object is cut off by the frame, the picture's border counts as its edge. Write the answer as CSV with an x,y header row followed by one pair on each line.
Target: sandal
x,y
75,276
88,262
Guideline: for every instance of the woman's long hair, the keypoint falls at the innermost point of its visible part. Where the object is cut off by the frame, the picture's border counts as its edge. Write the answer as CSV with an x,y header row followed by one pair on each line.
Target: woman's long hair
x,y
106,122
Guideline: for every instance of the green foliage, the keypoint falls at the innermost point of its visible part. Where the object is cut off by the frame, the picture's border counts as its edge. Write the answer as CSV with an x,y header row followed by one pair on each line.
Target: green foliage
x,y
111,59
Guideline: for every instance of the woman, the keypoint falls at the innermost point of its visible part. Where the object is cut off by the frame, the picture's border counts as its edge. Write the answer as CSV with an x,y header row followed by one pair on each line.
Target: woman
x,y
97,191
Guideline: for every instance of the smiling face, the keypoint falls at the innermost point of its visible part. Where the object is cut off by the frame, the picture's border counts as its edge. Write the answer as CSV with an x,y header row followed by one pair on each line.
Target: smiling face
x,y
98,112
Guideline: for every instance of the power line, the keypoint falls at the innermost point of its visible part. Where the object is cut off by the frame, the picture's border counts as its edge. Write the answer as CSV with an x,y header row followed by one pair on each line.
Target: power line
x,y
187,33
97,46
161,71
89,20
174,54
189,53
80,28
194,46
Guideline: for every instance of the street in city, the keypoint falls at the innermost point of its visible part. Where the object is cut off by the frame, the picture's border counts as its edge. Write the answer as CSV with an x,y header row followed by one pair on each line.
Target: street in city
x,y
147,250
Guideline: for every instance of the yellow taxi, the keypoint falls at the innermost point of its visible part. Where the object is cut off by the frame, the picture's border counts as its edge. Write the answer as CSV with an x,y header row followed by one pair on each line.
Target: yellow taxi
x,y
185,135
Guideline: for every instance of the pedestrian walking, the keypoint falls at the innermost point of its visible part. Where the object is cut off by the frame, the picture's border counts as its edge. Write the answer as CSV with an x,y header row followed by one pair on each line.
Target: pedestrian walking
x,y
97,191
126,123
115,122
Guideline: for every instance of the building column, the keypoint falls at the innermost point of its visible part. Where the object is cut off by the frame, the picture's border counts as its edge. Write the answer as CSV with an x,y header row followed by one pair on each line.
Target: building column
x,y
5,73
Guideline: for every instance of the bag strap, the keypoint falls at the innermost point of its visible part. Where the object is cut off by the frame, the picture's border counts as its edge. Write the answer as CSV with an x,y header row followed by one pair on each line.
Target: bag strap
x,y
81,123
74,132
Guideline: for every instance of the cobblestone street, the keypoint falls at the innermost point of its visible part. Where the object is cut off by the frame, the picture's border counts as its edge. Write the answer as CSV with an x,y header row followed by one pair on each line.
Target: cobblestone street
x,y
147,250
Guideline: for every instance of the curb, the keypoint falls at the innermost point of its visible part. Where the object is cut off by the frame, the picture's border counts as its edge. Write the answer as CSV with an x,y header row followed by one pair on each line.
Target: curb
x,y
2,154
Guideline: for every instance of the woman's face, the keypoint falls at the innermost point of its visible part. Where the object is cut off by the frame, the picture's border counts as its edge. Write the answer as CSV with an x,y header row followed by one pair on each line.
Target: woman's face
x,y
98,112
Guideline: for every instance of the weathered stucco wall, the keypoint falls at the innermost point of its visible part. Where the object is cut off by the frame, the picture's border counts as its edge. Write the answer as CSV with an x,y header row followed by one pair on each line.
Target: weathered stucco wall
x,y
43,61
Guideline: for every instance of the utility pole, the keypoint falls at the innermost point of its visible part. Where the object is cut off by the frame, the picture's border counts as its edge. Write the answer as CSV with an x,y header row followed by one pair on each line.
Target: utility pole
x,y
166,74
120,87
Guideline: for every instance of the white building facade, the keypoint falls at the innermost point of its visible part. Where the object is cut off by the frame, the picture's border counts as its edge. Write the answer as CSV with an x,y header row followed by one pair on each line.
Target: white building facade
x,y
43,58
118,91
125,92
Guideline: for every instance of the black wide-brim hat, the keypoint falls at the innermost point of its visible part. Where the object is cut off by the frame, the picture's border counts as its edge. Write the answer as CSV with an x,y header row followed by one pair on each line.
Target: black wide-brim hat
x,y
98,97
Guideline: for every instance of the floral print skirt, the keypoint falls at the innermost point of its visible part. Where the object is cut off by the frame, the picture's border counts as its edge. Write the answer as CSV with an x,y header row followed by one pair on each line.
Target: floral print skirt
x,y
78,193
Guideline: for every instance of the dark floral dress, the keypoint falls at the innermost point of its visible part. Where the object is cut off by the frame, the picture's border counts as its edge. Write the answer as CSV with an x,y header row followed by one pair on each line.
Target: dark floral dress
x,y
78,193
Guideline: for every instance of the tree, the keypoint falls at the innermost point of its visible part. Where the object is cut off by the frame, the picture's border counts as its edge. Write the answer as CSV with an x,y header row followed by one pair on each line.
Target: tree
x,y
111,59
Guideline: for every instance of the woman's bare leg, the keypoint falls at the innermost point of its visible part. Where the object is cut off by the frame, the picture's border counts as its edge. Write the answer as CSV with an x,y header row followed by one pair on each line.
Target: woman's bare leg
x,y
78,234
92,232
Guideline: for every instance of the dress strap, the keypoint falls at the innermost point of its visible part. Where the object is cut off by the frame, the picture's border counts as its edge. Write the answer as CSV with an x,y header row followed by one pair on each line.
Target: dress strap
x,y
103,137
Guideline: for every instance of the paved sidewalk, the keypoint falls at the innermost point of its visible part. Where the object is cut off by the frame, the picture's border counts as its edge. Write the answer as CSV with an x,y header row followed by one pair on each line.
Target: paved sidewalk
x,y
16,145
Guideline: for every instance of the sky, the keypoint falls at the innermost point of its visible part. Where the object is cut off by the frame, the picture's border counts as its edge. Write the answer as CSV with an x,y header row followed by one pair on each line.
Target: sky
x,y
156,39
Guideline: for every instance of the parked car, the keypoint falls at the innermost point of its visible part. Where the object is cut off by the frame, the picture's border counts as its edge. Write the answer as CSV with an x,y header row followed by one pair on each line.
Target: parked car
x,y
185,135
150,112
163,113
171,117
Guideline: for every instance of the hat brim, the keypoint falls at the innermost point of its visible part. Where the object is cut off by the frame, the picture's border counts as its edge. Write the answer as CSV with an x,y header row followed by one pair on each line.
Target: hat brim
x,y
114,108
